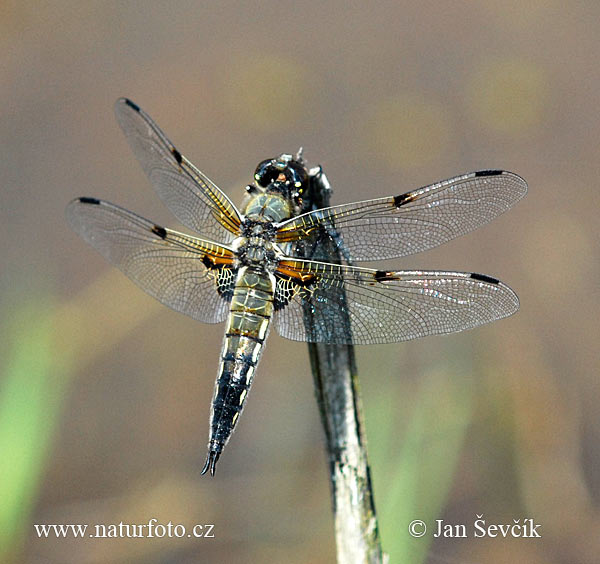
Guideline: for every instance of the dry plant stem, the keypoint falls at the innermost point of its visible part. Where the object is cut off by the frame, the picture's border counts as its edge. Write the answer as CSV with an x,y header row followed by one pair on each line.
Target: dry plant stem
x,y
338,396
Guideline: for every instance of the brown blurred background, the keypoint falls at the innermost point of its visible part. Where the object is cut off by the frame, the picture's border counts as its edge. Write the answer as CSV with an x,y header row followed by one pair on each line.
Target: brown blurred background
x,y
105,394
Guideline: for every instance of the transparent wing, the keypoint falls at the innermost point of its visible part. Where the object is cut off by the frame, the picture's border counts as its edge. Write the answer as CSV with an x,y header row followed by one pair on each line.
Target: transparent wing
x,y
187,274
383,307
192,197
413,222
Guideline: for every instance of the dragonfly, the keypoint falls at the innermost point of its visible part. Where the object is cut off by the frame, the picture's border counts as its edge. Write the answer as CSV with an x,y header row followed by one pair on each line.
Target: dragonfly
x,y
246,268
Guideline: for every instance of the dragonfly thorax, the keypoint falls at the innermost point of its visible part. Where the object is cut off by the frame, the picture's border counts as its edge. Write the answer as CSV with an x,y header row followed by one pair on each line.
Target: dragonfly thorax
x,y
267,207
255,246
256,250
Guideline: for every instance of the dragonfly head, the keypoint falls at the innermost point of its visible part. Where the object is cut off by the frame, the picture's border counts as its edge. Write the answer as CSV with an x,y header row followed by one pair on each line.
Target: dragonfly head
x,y
286,175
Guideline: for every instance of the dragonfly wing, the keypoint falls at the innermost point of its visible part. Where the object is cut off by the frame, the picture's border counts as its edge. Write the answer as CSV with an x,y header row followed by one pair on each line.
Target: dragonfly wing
x,y
313,299
190,275
192,197
409,223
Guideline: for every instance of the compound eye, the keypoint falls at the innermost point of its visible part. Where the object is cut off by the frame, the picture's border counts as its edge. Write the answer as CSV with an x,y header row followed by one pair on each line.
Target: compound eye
x,y
265,173
297,176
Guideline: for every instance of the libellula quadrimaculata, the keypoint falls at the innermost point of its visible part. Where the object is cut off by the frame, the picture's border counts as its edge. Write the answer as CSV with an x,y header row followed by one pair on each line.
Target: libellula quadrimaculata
x,y
246,271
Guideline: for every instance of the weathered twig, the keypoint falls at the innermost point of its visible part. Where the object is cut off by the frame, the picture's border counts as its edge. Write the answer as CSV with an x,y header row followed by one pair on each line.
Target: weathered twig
x,y
338,396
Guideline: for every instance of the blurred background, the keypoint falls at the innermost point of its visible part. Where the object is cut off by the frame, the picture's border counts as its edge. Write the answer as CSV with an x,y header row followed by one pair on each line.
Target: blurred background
x,y
105,394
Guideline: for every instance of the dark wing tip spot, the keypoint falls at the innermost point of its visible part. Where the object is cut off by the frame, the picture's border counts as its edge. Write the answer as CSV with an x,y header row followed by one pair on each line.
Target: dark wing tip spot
x,y
85,200
488,172
485,278
131,104
177,155
160,231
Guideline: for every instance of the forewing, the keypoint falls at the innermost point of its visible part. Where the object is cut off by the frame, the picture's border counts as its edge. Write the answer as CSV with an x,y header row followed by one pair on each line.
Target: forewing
x,y
190,275
383,307
397,226
192,197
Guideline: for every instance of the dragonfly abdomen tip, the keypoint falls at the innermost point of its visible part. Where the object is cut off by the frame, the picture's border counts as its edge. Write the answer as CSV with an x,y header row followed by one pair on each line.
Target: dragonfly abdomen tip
x,y
211,462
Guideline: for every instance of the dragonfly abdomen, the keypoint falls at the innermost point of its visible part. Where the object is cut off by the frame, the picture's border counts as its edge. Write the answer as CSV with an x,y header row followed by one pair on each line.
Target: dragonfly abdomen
x,y
247,328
